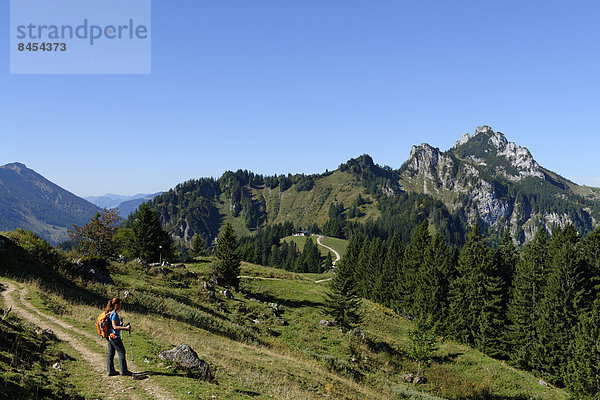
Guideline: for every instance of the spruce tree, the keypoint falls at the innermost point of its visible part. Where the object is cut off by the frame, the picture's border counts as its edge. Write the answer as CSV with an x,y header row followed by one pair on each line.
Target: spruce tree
x,y
582,377
343,300
228,260
507,257
525,301
361,269
327,264
149,241
476,297
433,284
386,283
565,294
414,256
591,251
197,246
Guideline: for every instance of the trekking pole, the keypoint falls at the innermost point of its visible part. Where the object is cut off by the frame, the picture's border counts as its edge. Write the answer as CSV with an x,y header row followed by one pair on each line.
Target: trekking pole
x,y
136,375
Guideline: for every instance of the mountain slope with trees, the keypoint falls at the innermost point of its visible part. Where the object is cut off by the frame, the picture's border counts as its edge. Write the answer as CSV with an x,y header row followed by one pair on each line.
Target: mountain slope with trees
x,y
30,201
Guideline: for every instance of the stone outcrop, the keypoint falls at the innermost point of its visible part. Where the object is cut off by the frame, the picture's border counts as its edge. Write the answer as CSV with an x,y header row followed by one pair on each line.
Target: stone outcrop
x,y
185,357
93,270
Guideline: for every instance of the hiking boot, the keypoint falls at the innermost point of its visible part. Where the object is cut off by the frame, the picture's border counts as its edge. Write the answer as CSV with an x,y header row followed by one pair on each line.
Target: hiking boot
x,y
126,373
113,373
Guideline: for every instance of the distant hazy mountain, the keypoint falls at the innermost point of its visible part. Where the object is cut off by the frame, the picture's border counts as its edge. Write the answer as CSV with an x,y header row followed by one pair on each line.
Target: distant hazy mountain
x,y
110,200
129,206
30,201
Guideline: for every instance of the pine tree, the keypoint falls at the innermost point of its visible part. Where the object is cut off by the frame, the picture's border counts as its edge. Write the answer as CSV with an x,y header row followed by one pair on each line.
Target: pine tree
x,y
591,251
342,300
197,246
433,285
149,241
476,297
369,268
327,264
386,283
228,264
423,343
565,294
414,255
507,257
583,372
526,297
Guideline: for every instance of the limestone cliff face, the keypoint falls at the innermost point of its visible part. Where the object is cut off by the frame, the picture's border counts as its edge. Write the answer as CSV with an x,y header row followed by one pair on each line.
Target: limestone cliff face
x,y
487,178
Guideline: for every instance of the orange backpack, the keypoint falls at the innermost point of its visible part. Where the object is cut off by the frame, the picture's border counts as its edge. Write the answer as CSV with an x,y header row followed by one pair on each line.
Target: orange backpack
x,y
103,325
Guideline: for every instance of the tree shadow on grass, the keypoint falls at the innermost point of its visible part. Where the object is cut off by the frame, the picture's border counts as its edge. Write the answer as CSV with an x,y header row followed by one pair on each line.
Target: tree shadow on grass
x,y
247,392
447,358
485,394
267,298
384,347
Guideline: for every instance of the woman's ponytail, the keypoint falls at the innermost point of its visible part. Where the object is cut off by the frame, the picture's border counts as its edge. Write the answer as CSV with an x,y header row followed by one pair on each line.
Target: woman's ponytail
x,y
110,306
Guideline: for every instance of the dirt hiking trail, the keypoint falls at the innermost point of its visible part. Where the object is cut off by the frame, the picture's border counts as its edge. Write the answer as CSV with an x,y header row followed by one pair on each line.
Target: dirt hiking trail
x,y
119,387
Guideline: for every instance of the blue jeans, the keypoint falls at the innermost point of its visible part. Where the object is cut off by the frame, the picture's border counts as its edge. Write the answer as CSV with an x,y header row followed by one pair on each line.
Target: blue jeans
x,y
116,344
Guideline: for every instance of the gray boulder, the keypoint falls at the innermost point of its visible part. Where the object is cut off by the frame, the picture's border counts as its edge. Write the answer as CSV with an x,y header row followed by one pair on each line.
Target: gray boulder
x,y
360,333
185,357
227,293
93,270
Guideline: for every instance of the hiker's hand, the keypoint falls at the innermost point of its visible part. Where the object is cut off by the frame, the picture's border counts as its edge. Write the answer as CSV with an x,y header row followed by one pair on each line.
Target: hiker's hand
x,y
128,327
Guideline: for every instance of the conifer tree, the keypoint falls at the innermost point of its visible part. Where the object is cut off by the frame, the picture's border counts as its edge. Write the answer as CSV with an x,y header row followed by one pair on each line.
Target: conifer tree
x,y
476,296
583,371
361,273
343,300
525,302
228,260
414,255
197,246
327,264
507,257
423,343
433,284
591,252
386,284
565,294
369,267
149,241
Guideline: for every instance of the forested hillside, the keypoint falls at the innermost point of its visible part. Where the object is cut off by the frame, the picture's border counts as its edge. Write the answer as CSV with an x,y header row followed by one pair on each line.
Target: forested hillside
x,y
539,309
30,201
483,178
358,196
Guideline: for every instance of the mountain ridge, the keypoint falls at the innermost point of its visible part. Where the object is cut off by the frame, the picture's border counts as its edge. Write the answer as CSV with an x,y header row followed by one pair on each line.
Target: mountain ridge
x,y
484,177
30,201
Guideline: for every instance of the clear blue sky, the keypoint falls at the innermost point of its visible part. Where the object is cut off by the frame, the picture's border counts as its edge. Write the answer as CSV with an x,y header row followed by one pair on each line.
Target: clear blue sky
x,y
278,87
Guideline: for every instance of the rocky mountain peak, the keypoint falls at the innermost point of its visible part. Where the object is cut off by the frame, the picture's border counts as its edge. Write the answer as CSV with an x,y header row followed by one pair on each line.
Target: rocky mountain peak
x,y
486,147
483,129
17,167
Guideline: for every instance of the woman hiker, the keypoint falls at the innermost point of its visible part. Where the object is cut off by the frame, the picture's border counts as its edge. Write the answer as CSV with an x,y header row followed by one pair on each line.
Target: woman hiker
x,y
114,339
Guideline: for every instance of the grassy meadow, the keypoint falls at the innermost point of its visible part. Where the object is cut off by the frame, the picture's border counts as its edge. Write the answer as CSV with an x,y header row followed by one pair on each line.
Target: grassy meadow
x,y
253,351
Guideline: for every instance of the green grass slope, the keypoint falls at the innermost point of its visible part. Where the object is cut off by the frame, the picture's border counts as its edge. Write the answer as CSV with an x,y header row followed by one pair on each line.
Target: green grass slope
x,y
26,358
338,245
307,207
255,352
